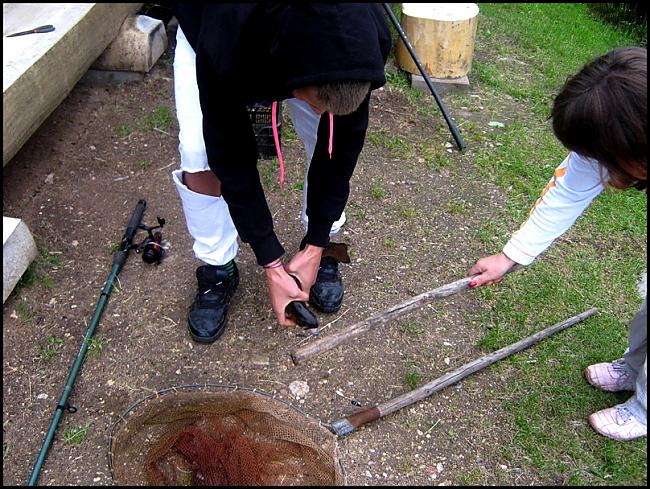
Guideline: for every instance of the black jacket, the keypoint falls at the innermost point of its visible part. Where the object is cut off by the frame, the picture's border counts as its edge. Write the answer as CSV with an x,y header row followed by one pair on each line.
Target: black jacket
x,y
260,52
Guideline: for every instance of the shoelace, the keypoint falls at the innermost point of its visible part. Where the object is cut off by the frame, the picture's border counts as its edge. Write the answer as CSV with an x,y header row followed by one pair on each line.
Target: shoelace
x,y
276,138
623,414
213,294
621,367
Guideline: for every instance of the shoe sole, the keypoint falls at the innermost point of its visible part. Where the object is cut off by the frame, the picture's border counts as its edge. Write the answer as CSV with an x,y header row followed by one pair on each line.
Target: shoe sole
x,y
325,310
211,339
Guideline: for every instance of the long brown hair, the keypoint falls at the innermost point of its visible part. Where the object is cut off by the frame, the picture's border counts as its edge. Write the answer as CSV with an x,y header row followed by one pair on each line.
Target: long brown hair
x,y
601,113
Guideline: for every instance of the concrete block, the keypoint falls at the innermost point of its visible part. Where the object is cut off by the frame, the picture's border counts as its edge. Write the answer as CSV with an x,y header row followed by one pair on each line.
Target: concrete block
x,y
137,46
18,252
442,85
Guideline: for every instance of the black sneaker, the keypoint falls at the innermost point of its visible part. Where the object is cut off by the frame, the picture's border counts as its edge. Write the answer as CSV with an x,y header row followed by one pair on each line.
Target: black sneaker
x,y
326,294
208,313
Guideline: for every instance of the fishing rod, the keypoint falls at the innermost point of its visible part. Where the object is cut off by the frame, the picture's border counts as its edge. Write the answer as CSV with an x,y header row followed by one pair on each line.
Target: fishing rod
x,y
118,261
452,126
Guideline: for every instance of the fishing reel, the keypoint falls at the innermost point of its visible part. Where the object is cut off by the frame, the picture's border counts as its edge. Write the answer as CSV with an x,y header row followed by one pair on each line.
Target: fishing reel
x,y
152,247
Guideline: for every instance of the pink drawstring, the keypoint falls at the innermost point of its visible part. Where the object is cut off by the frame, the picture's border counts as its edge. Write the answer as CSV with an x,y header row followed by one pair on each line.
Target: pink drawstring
x,y
274,122
331,144
276,139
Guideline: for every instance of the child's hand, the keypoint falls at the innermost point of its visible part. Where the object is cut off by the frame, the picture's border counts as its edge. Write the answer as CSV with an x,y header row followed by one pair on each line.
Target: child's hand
x,y
491,270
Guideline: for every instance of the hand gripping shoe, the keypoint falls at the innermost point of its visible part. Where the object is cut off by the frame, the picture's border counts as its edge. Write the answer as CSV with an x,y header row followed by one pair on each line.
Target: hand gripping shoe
x,y
208,313
326,295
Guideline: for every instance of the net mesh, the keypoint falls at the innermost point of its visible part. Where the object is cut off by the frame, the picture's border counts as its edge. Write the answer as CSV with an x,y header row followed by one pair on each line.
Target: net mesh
x,y
221,435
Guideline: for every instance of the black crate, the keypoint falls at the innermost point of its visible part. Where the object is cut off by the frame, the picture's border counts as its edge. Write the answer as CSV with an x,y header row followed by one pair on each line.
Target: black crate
x,y
262,121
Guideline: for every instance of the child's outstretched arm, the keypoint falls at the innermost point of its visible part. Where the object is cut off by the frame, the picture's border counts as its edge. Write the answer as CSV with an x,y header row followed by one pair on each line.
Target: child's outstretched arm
x,y
575,183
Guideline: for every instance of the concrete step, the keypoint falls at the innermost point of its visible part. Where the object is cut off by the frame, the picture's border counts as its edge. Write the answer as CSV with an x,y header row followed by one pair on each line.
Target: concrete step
x,y
40,70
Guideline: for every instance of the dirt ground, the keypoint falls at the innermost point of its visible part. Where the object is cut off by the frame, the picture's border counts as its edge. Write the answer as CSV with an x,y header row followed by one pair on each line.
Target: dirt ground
x,y
75,184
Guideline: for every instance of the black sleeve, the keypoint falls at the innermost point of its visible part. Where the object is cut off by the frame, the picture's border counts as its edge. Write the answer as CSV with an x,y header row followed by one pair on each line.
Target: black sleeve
x,y
232,155
329,179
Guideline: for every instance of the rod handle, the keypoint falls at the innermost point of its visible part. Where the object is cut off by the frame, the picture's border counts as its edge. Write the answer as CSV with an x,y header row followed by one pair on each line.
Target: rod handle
x,y
132,227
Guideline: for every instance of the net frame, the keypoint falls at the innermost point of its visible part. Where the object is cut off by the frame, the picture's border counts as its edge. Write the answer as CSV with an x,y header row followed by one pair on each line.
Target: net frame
x,y
125,428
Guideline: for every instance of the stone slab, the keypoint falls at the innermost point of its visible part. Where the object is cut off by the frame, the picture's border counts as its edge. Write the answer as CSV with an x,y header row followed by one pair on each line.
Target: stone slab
x,y
18,252
40,70
442,85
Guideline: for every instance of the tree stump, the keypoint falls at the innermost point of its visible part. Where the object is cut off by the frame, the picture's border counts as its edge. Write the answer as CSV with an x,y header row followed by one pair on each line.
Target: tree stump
x,y
442,35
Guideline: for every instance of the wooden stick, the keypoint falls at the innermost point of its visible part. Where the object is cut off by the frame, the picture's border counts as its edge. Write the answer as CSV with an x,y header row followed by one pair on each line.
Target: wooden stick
x,y
373,322
344,426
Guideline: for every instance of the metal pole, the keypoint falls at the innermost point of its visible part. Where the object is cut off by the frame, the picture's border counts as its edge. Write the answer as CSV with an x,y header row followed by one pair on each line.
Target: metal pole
x,y
118,261
452,126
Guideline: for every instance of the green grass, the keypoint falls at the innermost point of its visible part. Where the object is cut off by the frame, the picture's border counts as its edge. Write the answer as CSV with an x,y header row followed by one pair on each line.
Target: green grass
x,y
413,378
390,243
36,272
24,311
396,144
143,164
29,276
491,234
113,246
297,187
289,133
75,435
527,51
267,170
473,477
95,347
406,467
413,328
123,130
421,102
377,190
626,17
357,210
434,158
409,213
548,42
161,118
457,207
49,348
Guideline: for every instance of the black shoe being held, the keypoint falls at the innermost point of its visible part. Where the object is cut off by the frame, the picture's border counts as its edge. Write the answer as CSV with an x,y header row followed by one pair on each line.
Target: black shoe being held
x,y
208,313
326,294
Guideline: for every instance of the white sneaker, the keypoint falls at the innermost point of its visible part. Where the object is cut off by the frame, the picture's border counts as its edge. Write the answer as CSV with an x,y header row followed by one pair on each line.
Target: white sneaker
x,y
617,423
610,377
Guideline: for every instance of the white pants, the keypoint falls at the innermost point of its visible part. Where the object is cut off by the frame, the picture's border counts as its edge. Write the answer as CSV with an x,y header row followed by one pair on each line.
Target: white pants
x,y
207,217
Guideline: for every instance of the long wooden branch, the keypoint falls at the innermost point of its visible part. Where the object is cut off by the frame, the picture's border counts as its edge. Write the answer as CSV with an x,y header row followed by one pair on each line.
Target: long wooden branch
x,y
344,426
331,341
